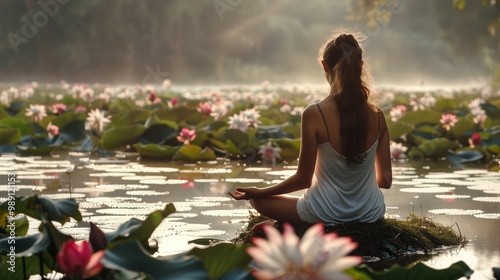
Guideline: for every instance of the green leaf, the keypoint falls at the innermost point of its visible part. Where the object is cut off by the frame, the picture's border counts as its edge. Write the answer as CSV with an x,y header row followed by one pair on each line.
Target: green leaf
x,y
177,114
398,129
73,132
3,114
155,151
157,134
131,256
117,137
27,245
420,271
9,136
126,117
20,224
137,229
155,120
290,148
68,118
56,210
237,274
36,151
194,153
420,117
205,241
445,104
462,126
24,127
464,156
434,148
32,265
222,258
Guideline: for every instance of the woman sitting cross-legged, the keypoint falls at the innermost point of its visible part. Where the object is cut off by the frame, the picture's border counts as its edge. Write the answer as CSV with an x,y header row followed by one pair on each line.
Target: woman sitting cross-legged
x,y
344,157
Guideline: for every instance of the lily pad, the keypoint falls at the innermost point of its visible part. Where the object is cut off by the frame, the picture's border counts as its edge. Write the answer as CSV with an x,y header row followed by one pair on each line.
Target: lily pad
x,y
120,136
194,153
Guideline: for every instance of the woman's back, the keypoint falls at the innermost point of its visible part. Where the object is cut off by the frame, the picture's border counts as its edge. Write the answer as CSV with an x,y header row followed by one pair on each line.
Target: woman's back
x,y
341,192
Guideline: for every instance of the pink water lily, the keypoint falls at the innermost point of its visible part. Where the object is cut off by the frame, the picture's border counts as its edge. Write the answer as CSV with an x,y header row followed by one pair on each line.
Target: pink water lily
x,y
186,136
475,140
52,129
173,102
269,153
316,256
448,121
204,108
59,108
77,259
37,112
397,150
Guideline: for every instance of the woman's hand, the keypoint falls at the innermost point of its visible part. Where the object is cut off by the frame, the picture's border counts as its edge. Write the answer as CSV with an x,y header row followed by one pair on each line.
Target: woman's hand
x,y
245,193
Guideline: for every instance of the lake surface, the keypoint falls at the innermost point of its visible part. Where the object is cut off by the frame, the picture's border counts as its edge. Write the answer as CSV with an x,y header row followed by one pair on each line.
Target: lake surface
x,y
112,189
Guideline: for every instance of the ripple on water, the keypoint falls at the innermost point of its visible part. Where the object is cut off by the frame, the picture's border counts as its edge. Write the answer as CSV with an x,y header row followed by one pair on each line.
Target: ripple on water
x,y
451,196
427,190
122,187
127,212
23,187
487,199
456,212
257,169
470,171
139,178
490,216
64,195
111,174
210,198
245,180
146,193
281,173
116,199
206,180
110,219
442,175
228,213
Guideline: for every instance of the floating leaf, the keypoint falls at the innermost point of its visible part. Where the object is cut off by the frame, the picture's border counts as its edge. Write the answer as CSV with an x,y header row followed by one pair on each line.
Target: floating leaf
x,y
398,129
9,135
73,132
68,118
420,271
156,151
131,256
464,156
117,137
420,117
221,258
24,127
157,134
194,153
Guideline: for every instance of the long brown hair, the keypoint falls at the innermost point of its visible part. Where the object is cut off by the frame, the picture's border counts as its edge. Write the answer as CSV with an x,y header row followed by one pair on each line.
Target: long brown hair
x,y
343,56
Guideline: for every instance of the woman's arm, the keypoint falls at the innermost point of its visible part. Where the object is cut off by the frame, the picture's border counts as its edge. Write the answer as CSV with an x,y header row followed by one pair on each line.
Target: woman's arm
x,y
307,161
383,158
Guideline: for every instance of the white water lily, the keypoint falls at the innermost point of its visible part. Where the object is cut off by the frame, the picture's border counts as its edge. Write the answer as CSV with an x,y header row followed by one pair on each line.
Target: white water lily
x,y
239,121
88,95
397,150
4,98
475,106
297,111
252,116
269,153
37,112
315,256
97,120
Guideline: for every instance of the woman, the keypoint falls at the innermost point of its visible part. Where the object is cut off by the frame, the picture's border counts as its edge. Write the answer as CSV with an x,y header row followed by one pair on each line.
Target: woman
x,y
344,157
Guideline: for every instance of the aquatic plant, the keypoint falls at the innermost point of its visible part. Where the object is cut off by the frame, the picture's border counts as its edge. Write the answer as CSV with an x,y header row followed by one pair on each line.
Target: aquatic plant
x,y
315,256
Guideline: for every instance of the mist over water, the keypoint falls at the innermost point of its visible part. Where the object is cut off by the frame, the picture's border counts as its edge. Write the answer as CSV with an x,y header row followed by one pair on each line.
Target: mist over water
x,y
423,42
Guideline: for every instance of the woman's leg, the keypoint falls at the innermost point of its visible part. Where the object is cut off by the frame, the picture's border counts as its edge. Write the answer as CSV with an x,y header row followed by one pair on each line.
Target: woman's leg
x,y
279,207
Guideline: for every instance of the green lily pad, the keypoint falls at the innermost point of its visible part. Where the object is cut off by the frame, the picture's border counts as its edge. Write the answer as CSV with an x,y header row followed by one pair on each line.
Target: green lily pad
x,y
23,127
435,148
68,118
223,257
9,136
194,153
420,117
464,156
73,132
36,151
398,129
420,271
156,151
117,137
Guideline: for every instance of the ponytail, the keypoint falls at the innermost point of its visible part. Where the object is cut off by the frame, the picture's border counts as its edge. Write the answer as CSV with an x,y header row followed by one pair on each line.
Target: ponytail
x,y
343,57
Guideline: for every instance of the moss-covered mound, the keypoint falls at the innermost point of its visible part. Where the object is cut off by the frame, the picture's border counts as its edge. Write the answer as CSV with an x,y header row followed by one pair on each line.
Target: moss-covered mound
x,y
384,239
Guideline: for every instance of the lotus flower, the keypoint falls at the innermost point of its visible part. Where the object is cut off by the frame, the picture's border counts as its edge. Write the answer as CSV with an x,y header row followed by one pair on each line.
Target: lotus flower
x,y
448,121
58,108
475,106
315,256
186,136
252,117
37,111
52,129
480,118
204,108
269,153
239,122
152,99
77,259
397,112
173,102
475,140
166,84
96,120
397,150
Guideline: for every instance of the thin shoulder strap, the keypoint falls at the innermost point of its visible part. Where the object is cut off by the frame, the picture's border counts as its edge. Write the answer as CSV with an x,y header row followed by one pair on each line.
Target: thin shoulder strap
x,y
324,121
379,113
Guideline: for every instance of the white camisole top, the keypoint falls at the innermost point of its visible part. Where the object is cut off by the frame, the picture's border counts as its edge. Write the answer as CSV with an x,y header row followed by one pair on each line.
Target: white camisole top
x,y
341,193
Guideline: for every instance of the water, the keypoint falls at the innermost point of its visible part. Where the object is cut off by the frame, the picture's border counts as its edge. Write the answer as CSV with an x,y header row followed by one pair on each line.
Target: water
x,y
111,190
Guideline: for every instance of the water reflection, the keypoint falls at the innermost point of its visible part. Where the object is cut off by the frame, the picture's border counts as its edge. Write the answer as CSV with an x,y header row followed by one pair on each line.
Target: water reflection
x,y
112,190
